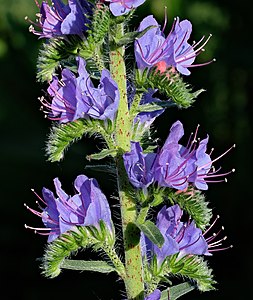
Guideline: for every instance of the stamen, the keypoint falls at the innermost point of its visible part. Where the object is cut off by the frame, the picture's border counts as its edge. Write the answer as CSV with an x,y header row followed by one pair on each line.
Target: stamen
x,y
165,18
40,198
209,163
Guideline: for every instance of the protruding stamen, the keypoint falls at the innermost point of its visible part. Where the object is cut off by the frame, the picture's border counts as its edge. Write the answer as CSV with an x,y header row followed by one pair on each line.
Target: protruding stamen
x,y
165,18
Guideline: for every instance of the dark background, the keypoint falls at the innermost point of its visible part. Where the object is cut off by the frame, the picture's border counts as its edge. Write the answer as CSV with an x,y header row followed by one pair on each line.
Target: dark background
x,y
224,112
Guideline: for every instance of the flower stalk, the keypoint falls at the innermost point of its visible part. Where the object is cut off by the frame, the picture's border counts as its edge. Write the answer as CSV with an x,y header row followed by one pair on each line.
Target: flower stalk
x,y
131,234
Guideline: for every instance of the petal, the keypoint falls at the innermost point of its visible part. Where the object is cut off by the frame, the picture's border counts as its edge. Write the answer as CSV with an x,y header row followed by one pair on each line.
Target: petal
x,y
176,133
59,191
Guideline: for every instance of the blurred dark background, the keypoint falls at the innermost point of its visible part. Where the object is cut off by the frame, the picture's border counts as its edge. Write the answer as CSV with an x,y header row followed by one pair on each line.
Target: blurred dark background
x,y
224,112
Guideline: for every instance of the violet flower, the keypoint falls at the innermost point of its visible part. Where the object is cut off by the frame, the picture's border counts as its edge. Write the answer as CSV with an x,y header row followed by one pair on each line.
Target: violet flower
x,y
177,166
122,7
139,166
62,213
62,19
179,237
65,106
76,97
101,102
173,51
156,295
170,166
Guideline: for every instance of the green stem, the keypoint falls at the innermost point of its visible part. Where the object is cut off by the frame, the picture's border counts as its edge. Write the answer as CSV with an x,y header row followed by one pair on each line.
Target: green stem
x,y
131,234
118,72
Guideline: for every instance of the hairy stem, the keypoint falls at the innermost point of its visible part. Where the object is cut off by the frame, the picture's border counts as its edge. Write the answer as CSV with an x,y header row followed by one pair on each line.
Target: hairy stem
x,y
131,234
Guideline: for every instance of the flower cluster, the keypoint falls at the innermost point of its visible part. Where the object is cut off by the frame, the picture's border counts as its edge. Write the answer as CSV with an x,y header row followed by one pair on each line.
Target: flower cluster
x,y
63,213
153,48
61,19
174,165
180,237
84,83
76,97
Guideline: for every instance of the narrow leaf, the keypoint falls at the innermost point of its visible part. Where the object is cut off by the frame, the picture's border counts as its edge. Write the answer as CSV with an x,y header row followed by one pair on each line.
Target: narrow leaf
x,y
101,168
155,106
179,290
131,36
82,265
151,232
104,153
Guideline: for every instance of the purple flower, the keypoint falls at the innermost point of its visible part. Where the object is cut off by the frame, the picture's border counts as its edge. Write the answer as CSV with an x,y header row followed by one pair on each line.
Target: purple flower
x,y
62,213
76,97
153,48
122,7
60,19
170,167
179,237
139,166
156,295
65,106
177,166
101,102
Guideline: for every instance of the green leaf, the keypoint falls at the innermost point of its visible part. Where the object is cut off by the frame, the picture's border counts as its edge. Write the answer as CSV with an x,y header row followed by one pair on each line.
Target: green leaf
x,y
129,37
177,291
154,106
151,232
102,168
82,265
102,154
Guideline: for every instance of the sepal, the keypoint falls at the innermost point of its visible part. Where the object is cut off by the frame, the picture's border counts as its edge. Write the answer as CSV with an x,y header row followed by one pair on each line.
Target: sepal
x,y
102,234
